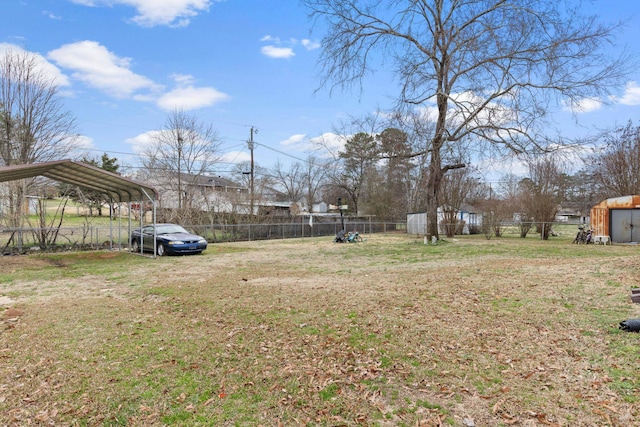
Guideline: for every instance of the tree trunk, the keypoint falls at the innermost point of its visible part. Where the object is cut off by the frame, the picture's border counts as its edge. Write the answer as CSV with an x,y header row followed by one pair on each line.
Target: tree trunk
x,y
433,188
435,166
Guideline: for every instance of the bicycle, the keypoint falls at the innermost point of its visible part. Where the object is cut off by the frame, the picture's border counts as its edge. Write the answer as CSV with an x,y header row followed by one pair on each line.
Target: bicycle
x,y
584,236
354,237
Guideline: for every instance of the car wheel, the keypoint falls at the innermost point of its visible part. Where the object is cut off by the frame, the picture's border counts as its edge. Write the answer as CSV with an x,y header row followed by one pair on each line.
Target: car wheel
x,y
161,250
135,246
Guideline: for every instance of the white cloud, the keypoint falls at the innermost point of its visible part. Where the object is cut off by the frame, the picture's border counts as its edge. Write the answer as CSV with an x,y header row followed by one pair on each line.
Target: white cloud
x,y
235,157
294,139
268,38
278,49
189,97
584,105
140,142
310,45
83,146
51,15
94,65
631,94
50,70
85,142
325,145
331,142
182,79
277,52
173,13
99,68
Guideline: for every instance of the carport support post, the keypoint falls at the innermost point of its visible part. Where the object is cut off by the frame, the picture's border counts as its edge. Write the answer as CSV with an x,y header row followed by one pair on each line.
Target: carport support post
x,y
155,231
153,218
129,223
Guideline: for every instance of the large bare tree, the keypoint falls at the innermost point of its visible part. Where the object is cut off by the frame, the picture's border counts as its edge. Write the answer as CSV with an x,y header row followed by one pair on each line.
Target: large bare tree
x,y
178,156
34,126
489,69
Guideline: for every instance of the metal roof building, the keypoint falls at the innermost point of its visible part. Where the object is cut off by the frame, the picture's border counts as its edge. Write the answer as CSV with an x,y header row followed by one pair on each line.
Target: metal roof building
x,y
618,218
116,187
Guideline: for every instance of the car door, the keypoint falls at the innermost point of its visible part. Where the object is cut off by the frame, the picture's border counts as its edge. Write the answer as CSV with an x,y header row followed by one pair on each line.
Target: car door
x,y
147,237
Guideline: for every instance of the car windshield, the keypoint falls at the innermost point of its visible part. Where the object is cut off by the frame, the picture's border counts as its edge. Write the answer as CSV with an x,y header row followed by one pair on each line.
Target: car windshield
x,y
170,229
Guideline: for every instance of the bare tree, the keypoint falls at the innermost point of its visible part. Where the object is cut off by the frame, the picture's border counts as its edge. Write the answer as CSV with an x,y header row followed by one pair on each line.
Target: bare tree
x,y
415,124
263,185
617,168
456,188
542,192
34,126
490,68
178,156
291,179
508,205
315,178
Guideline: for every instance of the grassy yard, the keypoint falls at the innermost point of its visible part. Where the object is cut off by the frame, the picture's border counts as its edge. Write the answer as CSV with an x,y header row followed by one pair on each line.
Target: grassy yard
x,y
389,332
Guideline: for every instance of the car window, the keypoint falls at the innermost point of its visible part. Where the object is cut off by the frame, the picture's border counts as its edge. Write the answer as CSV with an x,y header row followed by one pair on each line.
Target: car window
x,y
167,229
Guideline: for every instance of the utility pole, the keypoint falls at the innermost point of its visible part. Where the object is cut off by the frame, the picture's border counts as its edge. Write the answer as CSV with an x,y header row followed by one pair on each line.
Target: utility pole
x,y
251,144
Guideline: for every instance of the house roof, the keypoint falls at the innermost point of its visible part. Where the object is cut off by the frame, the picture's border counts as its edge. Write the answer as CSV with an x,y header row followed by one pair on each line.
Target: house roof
x,y
466,207
117,187
216,181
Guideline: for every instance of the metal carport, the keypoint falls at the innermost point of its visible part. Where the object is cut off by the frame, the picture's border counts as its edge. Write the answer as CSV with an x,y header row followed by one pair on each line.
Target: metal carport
x,y
118,188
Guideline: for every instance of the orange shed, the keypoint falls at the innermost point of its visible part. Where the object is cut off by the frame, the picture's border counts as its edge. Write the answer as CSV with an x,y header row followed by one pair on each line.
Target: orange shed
x,y
618,218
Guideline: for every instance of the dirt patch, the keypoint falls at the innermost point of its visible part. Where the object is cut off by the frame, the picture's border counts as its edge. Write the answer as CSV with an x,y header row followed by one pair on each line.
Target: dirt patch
x,y
10,263
6,301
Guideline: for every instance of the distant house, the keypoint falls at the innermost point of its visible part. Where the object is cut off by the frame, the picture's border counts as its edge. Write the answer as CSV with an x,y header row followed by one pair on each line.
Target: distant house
x,y
218,194
472,217
571,216
320,207
203,192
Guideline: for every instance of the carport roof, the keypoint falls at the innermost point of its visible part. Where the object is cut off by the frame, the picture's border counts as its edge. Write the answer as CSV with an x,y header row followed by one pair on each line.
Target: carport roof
x,y
118,188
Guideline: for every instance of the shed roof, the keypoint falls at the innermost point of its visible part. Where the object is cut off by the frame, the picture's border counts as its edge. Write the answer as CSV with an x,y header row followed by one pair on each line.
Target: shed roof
x,y
118,188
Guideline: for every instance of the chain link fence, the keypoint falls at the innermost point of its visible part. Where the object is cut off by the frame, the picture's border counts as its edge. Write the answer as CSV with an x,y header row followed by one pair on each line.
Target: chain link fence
x,y
89,237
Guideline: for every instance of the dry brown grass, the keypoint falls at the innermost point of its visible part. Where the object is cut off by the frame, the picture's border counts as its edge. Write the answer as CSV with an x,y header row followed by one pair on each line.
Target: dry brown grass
x,y
308,332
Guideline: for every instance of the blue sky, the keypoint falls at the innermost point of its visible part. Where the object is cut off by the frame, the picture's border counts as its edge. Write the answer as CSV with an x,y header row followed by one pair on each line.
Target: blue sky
x,y
123,65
